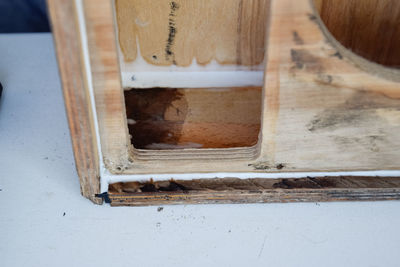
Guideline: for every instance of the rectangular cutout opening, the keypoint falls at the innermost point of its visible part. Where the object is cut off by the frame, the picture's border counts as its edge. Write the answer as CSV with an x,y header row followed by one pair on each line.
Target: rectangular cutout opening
x,y
192,86
182,118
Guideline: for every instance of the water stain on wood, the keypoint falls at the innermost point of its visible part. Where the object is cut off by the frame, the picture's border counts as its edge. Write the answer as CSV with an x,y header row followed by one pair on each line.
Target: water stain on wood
x,y
297,39
146,109
167,118
361,108
304,60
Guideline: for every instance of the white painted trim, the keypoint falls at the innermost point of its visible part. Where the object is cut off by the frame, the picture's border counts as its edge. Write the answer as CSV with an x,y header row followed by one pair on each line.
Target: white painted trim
x,y
195,79
86,58
106,177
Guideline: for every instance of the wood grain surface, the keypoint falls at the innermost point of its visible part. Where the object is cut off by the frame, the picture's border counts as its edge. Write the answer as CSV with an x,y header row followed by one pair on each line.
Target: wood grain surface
x,y
369,28
77,102
162,118
230,190
177,32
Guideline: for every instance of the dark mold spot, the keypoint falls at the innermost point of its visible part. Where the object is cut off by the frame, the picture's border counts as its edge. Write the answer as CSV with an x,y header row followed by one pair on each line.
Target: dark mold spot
x,y
302,59
297,39
148,187
357,110
172,187
312,17
154,57
172,31
330,119
284,184
371,142
307,183
280,166
159,209
260,166
296,59
338,55
147,109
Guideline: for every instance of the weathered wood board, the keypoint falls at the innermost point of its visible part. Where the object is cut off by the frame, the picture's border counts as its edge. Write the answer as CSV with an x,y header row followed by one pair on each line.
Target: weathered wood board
x,y
232,190
76,97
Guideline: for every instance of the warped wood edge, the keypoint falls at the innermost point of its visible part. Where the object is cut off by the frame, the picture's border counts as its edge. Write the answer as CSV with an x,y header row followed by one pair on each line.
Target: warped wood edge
x,y
77,101
234,190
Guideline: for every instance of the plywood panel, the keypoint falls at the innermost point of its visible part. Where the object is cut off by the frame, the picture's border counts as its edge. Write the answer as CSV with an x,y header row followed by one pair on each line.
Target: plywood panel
x,y
177,32
368,27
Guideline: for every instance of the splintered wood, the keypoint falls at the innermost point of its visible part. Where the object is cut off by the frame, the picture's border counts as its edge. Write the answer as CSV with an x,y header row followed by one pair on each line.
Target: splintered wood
x,y
231,190
176,32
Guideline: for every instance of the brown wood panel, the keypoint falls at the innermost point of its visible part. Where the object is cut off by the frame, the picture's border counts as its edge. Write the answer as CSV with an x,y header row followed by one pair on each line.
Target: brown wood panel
x,y
369,28
231,190
77,102
162,118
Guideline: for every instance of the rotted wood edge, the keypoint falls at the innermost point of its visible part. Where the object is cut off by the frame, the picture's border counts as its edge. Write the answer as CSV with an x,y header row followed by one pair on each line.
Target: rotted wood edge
x,y
66,36
233,190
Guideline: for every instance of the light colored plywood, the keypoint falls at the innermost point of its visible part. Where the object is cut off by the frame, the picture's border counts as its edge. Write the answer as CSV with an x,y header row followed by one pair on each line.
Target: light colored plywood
x,y
322,109
178,32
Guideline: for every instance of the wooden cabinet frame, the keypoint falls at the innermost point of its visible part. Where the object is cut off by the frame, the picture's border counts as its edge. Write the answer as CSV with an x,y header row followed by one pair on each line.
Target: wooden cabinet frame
x,y
327,113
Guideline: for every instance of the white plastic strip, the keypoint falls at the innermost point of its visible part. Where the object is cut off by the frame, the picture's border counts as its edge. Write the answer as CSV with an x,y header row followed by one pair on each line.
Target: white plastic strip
x,y
85,48
198,79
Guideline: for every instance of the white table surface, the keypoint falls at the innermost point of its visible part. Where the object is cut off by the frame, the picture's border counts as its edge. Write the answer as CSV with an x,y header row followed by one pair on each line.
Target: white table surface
x,y
44,221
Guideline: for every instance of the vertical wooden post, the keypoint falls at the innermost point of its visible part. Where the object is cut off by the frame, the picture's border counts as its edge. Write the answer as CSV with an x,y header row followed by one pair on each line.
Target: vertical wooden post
x,y
77,101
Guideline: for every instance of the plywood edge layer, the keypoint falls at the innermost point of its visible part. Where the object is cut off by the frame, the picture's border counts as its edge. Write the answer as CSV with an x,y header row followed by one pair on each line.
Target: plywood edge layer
x,y
233,190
